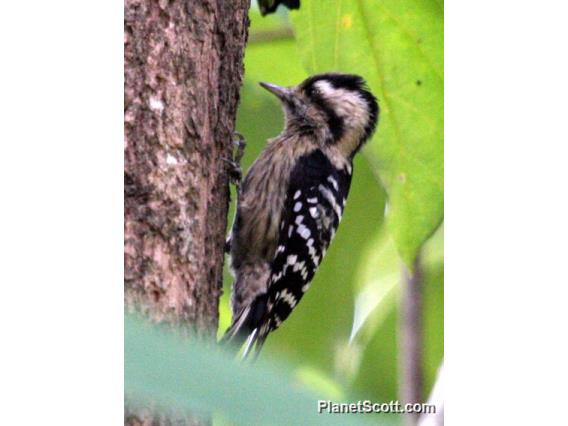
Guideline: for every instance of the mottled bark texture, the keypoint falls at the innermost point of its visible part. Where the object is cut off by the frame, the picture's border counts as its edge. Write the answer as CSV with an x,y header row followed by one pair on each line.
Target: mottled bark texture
x,y
183,69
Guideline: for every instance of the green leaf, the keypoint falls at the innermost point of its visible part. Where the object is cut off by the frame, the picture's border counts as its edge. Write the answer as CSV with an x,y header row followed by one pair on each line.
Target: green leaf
x,y
181,375
397,46
379,279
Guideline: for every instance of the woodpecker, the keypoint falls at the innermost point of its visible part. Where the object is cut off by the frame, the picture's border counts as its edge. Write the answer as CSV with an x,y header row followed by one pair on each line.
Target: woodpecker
x,y
270,6
291,201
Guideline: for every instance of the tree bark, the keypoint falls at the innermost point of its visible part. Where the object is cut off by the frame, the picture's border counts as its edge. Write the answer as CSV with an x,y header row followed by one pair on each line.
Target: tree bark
x,y
183,68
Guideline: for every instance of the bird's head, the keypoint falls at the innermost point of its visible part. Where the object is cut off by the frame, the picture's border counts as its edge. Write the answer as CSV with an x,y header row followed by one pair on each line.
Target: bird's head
x,y
338,109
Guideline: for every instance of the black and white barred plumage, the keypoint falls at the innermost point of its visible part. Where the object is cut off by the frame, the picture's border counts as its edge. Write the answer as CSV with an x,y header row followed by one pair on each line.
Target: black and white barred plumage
x,y
292,200
315,201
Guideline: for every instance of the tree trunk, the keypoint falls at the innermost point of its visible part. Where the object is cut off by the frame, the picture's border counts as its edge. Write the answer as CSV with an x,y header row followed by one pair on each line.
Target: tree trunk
x,y
183,70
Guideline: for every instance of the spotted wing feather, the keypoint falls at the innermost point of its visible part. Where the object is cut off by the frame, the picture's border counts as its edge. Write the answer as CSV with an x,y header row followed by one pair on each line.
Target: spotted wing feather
x,y
314,206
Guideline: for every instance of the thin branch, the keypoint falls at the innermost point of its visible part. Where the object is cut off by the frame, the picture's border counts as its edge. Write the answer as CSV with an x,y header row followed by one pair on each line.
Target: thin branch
x,y
278,34
411,376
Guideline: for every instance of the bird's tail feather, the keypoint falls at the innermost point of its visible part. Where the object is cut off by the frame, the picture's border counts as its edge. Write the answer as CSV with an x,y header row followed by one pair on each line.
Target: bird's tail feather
x,y
249,326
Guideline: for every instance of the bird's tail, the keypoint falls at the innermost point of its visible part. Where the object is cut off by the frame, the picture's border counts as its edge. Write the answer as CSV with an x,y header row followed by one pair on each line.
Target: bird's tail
x,y
249,327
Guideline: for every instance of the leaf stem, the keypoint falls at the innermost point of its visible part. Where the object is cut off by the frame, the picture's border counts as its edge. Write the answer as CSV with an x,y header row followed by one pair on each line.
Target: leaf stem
x,y
277,34
411,374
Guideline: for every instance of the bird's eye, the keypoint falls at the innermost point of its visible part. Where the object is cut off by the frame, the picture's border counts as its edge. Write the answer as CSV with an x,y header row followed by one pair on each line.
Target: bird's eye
x,y
314,92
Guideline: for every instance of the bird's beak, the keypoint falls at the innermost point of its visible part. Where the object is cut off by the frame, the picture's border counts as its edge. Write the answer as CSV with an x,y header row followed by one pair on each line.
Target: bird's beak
x,y
281,92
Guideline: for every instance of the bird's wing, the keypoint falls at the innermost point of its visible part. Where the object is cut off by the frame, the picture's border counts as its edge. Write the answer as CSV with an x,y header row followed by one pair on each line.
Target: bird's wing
x,y
314,205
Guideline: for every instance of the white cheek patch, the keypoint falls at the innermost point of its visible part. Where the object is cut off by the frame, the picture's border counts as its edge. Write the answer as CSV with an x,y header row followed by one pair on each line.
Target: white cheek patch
x,y
347,104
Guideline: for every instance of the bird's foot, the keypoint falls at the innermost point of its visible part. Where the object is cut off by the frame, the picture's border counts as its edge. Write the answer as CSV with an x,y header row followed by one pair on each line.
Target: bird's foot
x,y
234,164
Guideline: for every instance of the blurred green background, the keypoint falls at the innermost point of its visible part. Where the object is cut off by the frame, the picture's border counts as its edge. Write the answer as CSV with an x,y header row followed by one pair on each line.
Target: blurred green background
x,y
341,341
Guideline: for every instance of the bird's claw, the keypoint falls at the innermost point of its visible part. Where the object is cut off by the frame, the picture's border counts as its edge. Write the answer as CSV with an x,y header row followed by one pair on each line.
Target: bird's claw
x,y
240,143
235,171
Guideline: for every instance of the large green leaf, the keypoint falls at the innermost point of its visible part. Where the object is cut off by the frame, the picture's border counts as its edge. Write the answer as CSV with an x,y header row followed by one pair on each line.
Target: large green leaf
x,y
397,46
181,375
